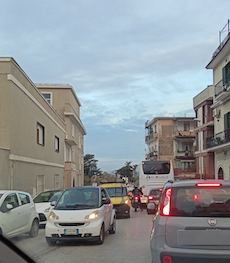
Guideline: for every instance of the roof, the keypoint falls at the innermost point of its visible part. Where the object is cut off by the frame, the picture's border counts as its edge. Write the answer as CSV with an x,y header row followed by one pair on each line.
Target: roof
x,y
190,183
113,184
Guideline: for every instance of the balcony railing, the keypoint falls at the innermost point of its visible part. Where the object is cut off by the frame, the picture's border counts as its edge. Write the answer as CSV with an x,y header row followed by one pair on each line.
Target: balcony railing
x,y
218,139
151,136
152,154
184,154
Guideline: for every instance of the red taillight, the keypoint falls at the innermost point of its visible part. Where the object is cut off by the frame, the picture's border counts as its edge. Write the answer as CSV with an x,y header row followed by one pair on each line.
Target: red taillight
x,y
195,197
160,189
140,195
136,197
208,184
150,197
166,202
167,259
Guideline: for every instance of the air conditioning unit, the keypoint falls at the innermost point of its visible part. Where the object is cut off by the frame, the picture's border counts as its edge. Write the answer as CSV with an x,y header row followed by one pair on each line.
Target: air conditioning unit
x,y
216,113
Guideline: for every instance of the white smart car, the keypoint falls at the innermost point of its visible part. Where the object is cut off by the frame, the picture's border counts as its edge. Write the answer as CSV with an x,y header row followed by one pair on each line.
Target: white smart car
x,y
81,213
17,214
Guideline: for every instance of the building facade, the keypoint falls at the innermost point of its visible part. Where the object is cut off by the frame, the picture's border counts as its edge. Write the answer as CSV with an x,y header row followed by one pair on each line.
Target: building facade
x,y
172,138
204,129
219,143
41,135
63,98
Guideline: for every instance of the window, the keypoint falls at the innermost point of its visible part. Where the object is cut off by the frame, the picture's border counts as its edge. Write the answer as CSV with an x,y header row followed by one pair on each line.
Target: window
x,y
226,74
220,174
186,126
10,199
56,144
24,198
48,97
40,183
73,130
227,121
67,154
40,134
205,113
56,181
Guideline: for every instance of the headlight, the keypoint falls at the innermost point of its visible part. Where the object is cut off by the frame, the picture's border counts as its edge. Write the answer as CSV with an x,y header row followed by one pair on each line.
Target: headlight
x,y
47,209
126,202
53,216
92,215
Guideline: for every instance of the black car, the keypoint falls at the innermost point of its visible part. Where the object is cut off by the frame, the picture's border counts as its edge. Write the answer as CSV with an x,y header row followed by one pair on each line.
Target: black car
x,y
153,197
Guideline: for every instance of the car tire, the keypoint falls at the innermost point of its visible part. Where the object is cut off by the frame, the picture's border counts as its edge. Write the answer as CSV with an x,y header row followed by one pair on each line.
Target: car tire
x,y
113,227
34,228
50,242
101,236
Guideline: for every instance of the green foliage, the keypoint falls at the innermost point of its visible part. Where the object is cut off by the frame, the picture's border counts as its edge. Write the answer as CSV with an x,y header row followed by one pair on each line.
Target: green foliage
x,y
90,166
127,170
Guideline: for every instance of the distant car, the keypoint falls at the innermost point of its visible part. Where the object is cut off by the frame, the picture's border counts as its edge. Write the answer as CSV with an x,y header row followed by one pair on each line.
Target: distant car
x,y
192,222
153,198
42,203
81,213
17,214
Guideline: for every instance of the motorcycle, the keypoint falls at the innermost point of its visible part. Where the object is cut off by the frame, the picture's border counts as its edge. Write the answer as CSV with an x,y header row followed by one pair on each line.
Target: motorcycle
x,y
136,203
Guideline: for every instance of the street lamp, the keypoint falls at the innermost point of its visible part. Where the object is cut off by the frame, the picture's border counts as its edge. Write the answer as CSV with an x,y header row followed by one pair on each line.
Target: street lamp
x,y
200,160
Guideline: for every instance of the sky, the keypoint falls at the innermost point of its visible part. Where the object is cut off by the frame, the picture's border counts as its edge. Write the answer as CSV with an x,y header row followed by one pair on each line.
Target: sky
x,y
128,61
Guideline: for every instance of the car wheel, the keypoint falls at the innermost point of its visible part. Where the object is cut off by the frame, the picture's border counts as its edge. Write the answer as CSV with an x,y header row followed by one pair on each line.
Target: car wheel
x,y
50,242
34,228
113,227
101,236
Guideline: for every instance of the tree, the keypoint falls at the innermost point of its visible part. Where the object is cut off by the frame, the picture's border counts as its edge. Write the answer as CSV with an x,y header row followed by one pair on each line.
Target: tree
x,y
90,166
127,170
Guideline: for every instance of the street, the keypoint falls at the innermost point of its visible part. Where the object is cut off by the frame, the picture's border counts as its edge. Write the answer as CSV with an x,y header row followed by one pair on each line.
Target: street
x,y
130,243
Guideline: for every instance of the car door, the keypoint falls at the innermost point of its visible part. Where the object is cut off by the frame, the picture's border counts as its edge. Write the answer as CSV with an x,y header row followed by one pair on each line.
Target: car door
x,y
10,219
26,210
106,205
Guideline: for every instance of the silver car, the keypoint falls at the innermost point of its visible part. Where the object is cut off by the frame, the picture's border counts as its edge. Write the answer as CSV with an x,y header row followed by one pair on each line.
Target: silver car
x,y
192,223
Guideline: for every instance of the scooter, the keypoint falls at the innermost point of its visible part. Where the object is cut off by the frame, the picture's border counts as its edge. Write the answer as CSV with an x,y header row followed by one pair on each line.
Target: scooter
x,y
136,203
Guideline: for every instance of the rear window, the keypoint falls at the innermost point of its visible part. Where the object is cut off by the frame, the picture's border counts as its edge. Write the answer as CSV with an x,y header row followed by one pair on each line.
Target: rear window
x,y
201,202
155,193
151,167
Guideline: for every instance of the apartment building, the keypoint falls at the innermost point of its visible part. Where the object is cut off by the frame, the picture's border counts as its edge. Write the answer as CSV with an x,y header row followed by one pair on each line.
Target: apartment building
x,y
32,134
172,138
204,129
41,134
219,143
65,101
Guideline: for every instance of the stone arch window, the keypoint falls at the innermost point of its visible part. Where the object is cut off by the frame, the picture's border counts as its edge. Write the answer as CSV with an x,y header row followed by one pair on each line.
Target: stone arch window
x,y
220,174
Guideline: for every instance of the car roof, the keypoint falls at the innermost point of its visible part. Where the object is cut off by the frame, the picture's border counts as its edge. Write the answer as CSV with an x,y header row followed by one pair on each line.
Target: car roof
x,y
84,187
12,191
110,185
189,183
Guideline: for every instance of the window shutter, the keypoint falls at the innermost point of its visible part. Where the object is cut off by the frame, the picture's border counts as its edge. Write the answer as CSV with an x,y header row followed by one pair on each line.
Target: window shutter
x,y
225,121
224,75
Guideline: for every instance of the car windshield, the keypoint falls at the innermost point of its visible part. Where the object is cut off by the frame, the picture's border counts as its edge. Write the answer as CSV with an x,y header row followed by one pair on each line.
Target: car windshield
x,y
77,199
117,191
47,197
201,202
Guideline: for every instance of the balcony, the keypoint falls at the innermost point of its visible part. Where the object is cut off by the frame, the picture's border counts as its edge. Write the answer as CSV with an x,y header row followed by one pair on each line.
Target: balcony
x,y
152,155
220,139
181,134
184,155
222,91
151,136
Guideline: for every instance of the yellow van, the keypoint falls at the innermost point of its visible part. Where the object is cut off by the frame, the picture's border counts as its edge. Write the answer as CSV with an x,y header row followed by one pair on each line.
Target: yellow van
x,y
119,197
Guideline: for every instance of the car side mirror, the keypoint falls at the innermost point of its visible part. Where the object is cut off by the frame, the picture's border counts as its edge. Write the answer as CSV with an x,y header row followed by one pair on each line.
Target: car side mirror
x,y
9,206
53,203
105,201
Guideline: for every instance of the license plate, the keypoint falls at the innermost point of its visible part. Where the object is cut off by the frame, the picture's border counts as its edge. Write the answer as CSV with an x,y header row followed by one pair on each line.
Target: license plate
x,y
70,231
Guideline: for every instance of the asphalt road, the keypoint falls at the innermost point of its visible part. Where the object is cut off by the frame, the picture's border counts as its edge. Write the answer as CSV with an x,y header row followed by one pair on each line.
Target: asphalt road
x,y
129,244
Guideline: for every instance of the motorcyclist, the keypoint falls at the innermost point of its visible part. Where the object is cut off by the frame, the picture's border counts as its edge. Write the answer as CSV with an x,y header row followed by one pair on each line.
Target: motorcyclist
x,y
136,191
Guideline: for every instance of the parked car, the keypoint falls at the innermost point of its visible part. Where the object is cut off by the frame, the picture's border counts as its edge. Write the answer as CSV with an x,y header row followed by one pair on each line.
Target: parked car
x,y
153,198
119,197
17,214
42,203
192,223
81,213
